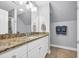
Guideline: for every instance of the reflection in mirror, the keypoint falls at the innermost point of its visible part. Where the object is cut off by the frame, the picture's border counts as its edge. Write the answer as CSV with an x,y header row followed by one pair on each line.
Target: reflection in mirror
x,y
9,26
16,18
12,21
24,22
8,16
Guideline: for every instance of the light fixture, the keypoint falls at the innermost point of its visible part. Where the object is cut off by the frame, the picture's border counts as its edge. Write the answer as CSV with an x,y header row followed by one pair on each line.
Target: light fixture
x,y
22,2
34,9
21,10
27,6
31,5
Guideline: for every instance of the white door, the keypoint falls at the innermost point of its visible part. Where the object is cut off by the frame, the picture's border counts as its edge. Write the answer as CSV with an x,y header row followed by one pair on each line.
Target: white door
x,y
43,46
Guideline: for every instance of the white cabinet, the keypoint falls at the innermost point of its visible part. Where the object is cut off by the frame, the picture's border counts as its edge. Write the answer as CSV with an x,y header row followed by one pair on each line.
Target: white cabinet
x,y
34,49
33,44
18,52
39,48
43,51
43,46
34,53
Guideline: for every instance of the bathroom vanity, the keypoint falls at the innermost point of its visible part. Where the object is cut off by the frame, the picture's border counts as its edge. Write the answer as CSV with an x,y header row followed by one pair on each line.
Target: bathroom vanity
x,y
14,20
34,46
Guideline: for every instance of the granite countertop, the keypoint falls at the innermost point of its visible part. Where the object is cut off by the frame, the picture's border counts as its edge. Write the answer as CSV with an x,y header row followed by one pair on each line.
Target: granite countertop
x,y
18,41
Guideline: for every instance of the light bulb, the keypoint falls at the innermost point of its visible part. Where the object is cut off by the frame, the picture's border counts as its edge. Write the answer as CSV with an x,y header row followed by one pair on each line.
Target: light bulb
x,y
27,6
33,9
30,5
21,9
22,2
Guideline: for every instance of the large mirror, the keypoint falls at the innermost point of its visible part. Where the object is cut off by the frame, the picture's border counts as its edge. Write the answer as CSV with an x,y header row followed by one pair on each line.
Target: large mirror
x,y
14,17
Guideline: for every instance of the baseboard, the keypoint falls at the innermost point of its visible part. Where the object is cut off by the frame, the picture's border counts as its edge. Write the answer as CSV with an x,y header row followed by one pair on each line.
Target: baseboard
x,y
68,48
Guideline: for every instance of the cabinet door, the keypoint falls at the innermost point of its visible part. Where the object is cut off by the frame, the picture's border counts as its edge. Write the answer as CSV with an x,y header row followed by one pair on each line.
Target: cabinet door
x,y
44,46
43,50
25,55
33,44
34,53
6,55
17,52
38,48
20,51
34,49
